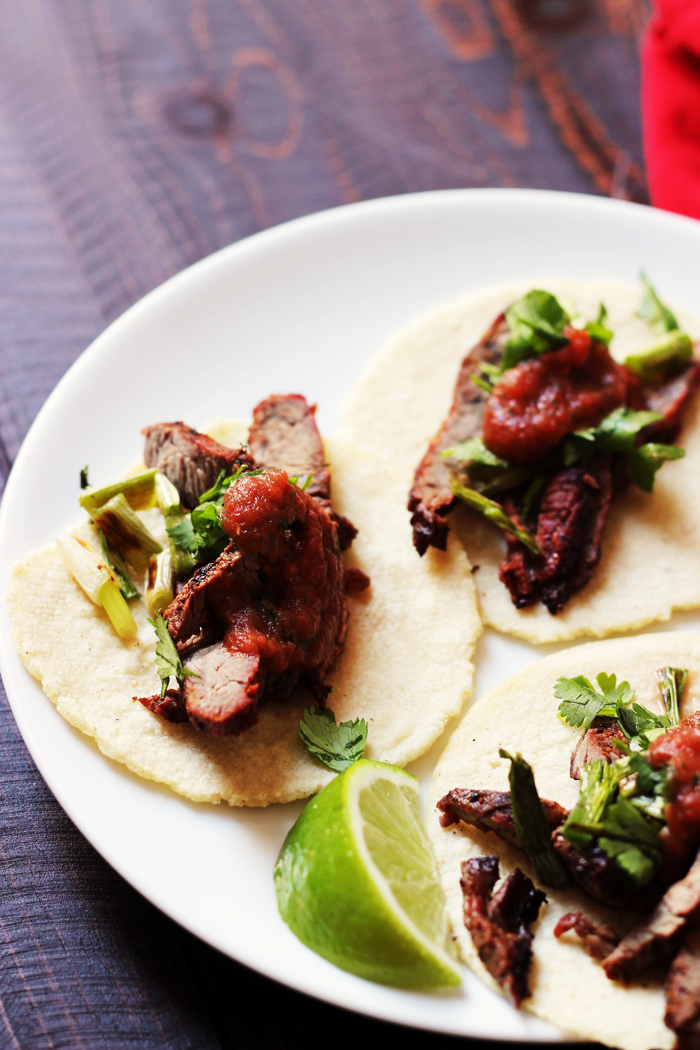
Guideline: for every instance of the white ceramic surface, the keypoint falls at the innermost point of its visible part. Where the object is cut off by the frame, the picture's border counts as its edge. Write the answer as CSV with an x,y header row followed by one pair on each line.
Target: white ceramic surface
x,y
297,308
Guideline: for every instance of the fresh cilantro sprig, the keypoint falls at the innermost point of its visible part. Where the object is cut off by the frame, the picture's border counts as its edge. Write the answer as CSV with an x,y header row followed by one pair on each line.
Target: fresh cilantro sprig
x,y
531,823
581,703
168,662
202,533
337,746
673,348
536,322
598,329
652,310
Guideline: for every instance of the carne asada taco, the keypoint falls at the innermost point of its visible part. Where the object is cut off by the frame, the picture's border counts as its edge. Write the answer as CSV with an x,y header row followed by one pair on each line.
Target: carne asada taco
x,y
553,440
600,894
228,730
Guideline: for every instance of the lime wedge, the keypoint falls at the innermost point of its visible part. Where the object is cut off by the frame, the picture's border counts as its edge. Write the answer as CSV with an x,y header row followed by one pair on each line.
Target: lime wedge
x,y
356,881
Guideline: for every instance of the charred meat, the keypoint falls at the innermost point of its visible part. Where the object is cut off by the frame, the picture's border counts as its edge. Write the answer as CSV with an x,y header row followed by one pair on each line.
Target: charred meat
x,y
498,922
491,811
597,938
192,461
597,743
683,992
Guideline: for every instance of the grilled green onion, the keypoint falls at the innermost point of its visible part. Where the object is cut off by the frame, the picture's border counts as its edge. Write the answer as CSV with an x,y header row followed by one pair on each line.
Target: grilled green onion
x,y
118,567
126,532
159,592
98,581
666,355
138,491
168,500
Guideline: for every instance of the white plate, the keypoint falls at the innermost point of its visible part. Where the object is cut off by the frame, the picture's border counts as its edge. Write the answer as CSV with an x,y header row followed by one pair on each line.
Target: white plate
x,y
297,308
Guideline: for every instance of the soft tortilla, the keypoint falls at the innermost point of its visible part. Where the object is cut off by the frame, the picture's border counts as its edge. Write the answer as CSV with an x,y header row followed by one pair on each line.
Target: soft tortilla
x,y
406,669
569,988
650,562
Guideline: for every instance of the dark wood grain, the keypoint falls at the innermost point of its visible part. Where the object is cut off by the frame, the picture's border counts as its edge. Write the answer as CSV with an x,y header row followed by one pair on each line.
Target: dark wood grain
x,y
135,138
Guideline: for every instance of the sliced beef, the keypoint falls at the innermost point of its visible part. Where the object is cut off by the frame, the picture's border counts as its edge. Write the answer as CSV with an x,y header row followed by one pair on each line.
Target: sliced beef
x,y
601,877
498,922
670,397
284,436
171,707
517,570
491,811
223,698
356,580
597,938
192,461
683,992
574,509
656,939
596,743
197,615
431,496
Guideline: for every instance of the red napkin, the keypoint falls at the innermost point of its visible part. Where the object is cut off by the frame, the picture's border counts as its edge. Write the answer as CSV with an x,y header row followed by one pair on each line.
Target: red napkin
x,y
671,105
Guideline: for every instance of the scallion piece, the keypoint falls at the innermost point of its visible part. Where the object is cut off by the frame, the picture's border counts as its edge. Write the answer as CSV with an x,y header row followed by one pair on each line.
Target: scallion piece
x,y
531,823
126,532
672,681
118,567
493,512
98,581
166,495
159,592
168,500
138,491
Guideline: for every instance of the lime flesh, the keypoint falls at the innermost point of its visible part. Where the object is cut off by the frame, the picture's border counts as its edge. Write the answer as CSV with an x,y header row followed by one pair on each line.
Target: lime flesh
x,y
356,881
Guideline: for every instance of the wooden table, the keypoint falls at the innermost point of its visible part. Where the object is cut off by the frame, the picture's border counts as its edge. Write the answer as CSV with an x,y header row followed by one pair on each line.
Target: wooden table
x,y
135,138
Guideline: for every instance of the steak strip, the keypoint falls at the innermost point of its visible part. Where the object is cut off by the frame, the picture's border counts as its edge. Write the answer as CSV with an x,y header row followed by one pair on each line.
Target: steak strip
x,y
683,992
431,496
491,811
656,939
596,744
598,939
498,922
192,461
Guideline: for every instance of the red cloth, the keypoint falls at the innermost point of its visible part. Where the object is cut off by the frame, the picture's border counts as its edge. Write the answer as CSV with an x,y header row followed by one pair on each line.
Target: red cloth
x,y
671,105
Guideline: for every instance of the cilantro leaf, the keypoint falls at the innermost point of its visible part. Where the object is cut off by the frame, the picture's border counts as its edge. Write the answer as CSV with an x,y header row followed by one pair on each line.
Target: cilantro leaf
x,y
536,322
618,430
337,746
168,662
531,824
672,681
494,512
632,841
653,310
183,535
598,329
202,533
581,702
646,460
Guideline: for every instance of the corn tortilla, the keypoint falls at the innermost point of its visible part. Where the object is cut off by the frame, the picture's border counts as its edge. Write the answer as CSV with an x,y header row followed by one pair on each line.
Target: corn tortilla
x,y
569,988
405,669
650,562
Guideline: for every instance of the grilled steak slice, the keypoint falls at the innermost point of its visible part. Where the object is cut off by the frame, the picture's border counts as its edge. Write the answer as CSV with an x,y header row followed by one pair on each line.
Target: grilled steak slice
x,y
670,397
517,570
192,461
284,435
657,938
573,511
601,878
683,992
223,698
431,496
171,707
498,922
597,938
596,744
196,616
491,811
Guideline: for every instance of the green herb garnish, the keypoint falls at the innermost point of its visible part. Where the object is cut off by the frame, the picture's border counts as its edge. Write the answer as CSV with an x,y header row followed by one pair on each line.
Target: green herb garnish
x,y
598,329
581,703
536,322
652,310
531,823
202,534
646,460
337,746
493,512
474,451
168,662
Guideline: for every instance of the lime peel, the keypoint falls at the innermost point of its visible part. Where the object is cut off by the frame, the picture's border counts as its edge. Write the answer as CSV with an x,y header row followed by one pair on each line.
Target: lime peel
x,y
356,881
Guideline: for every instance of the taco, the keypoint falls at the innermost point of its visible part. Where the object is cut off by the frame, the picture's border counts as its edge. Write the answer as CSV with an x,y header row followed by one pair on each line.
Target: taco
x,y
397,663
598,855
584,547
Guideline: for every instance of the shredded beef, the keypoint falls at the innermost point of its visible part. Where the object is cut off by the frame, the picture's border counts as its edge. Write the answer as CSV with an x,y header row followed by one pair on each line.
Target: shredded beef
x,y
655,939
431,496
192,461
683,992
596,744
491,811
598,939
498,922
